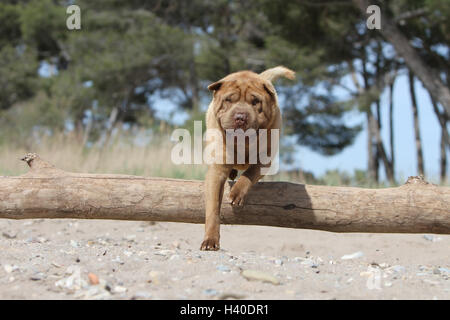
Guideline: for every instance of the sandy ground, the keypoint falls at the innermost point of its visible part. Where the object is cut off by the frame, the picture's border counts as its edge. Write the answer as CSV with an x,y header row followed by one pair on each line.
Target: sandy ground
x,y
64,259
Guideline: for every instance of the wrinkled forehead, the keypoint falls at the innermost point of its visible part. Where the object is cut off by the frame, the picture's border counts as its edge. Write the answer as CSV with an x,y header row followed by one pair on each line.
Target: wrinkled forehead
x,y
243,82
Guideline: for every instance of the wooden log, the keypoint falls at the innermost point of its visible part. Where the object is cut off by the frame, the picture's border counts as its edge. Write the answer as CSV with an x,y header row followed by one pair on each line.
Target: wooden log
x,y
48,192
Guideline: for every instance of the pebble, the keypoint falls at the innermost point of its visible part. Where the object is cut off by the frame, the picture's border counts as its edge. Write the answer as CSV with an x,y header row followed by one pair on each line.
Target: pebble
x,y
259,275
223,268
444,270
37,276
117,259
119,289
210,292
142,295
278,262
164,252
74,244
74,281
9,235
9,268
432,238
127,253
131,237
398,269
93,279
230,295
354,255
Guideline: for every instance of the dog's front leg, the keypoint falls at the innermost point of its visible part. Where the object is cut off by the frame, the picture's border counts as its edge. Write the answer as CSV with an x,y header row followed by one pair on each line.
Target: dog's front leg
x,y
243,184
214,186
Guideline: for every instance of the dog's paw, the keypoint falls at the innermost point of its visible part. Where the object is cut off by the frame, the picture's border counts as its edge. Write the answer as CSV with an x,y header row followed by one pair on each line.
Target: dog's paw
x,y
239,191
210,244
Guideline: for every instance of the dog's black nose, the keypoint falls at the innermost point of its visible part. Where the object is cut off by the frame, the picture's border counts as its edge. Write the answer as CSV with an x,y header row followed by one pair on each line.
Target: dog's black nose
x,y
240,118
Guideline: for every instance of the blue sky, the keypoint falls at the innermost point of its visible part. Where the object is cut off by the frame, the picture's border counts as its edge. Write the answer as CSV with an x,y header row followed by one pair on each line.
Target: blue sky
x,y
355,156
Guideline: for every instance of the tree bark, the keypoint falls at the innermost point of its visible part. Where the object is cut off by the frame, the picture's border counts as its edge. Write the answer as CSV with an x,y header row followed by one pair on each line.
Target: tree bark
x,y
371,159
48,192
443,160
419,151
391,126
431,81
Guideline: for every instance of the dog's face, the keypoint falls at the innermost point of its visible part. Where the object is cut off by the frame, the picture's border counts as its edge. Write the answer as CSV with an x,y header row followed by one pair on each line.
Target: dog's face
x,y
243,100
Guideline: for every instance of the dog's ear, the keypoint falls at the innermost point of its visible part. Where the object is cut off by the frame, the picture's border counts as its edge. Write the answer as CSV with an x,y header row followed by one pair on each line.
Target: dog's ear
x,y
268,86
215,86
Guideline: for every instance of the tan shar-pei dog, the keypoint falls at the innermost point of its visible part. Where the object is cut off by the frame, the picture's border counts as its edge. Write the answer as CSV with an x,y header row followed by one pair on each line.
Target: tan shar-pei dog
x,y
242,100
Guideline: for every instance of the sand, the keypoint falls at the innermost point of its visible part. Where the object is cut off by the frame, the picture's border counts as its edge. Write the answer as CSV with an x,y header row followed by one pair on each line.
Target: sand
x,y
94,259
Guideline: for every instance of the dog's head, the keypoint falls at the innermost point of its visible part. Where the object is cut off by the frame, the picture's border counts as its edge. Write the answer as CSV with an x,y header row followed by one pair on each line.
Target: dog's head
x,y
247,100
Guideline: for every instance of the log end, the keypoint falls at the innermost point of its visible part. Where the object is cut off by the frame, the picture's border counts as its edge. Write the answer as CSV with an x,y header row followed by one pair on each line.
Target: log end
x,y
29,157
35,162
417,180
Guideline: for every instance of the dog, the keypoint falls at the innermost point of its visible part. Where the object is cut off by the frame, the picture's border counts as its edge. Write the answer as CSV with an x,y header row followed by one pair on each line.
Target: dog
x,y
248,101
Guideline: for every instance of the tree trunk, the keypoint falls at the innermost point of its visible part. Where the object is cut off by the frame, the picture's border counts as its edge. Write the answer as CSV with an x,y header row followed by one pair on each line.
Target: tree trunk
x,y
430,80
48,192
381,153
391,126
419,152
371,159
445,140
442,121
443,162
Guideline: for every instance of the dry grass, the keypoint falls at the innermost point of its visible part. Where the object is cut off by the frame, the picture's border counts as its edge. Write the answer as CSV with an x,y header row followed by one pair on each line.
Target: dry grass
x,y
125,156
122,156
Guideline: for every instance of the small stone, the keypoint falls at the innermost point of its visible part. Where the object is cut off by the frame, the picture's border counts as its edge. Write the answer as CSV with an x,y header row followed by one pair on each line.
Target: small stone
x,y
127,253
223,268
131,237
9,268
9,235
307,262
432,238
93,279
74,244
230,295
176,244
164,252
37,276
119,289
398,269
142,295
444,270
261,276
41,239
210,292
278,262
354,255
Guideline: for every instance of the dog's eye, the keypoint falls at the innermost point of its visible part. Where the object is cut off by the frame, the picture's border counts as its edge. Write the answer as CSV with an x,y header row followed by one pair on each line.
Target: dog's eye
x,y
228,99
255,101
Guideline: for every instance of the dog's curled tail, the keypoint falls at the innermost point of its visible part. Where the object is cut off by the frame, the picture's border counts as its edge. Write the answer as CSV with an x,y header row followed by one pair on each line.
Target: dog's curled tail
x,y
280,71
